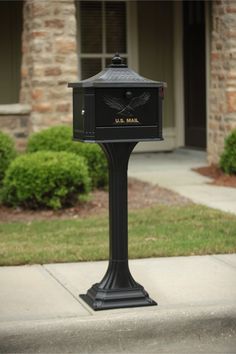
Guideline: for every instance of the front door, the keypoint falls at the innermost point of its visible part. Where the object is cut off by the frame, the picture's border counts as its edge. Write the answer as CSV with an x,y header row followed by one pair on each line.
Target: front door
x,y
194,73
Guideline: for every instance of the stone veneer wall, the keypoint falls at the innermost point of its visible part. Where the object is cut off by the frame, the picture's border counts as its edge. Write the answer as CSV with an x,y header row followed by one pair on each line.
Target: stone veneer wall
x,y
222,105
15,121
49,61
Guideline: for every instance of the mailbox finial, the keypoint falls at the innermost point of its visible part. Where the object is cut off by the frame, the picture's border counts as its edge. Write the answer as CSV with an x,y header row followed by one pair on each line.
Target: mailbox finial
x,y
117,61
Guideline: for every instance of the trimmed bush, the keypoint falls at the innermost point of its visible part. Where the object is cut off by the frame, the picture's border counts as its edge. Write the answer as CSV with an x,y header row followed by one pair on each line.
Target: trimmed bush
x,y
45,179
7,153
59,138
228,158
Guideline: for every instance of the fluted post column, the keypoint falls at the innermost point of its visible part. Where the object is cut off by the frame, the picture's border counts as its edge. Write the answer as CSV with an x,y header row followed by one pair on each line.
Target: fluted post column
x,y
117,288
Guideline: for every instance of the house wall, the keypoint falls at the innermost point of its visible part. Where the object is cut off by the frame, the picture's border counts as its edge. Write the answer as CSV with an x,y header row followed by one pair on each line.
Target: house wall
x,y
222,93
49,61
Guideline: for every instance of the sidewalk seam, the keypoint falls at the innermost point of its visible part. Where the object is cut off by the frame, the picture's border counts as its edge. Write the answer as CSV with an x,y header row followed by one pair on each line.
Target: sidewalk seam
x,y
223,261
68,290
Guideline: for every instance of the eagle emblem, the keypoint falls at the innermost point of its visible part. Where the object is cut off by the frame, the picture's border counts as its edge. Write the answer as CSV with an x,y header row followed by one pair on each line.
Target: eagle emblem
x,y
127,110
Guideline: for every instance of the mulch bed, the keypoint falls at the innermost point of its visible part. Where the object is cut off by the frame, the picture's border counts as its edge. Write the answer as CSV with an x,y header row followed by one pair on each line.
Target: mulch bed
x,y
218,176
140,195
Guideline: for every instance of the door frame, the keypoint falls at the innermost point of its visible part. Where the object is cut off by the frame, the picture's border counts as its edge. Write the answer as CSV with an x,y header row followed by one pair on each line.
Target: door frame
x,y
179,73
179,70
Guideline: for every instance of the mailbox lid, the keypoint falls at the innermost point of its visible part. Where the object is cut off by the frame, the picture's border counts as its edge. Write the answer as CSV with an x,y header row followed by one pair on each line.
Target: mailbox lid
x,y
117,75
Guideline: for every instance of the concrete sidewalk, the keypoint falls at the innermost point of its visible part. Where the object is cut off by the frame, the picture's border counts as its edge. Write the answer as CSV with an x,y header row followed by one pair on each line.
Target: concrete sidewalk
x,y
174,171
40,311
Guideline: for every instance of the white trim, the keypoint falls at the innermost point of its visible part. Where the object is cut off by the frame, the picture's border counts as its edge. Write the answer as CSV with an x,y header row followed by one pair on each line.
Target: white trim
x,y
168,144
179,74
132,34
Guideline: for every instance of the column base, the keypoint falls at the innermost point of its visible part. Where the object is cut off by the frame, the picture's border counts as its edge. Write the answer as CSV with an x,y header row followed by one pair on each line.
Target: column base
x,y
104,299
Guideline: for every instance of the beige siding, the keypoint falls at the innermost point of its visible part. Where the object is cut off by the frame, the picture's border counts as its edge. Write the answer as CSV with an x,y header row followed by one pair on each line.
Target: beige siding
x,y
155,33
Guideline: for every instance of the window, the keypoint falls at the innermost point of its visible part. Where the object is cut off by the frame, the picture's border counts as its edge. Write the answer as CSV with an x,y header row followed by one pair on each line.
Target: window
x,y
102,31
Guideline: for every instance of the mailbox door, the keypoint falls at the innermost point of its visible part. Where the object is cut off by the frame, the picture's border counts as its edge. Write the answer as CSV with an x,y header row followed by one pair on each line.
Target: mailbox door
x,y
128,114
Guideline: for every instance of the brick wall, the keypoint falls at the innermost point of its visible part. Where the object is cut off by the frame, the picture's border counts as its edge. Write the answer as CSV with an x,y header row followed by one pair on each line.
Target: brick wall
x,y
49,61
222,77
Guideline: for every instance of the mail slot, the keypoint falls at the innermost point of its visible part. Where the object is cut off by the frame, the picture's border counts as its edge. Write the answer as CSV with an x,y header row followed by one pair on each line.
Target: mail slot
x,y
116,105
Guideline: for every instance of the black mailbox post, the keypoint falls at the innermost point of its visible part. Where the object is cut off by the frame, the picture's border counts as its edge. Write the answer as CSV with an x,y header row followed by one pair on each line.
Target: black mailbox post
x,y
117,108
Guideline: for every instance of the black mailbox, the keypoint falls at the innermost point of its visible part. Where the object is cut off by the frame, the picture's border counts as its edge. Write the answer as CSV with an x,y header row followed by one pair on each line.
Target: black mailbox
x,y
117,108
117,105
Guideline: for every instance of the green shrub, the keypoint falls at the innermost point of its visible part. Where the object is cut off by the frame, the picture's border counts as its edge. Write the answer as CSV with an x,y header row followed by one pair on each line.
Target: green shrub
x,y
7,153
59,138
228,158
45,179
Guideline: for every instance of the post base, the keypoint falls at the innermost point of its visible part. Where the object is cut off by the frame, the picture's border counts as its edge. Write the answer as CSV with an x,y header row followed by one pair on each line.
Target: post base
x,y
104,299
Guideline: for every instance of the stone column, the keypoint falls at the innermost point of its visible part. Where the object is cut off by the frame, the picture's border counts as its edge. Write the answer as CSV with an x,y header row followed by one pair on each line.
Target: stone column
x,y
222,77
49,60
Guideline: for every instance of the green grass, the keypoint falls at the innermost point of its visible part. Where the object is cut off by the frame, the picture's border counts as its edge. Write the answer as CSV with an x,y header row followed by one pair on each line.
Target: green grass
x,y
153,232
